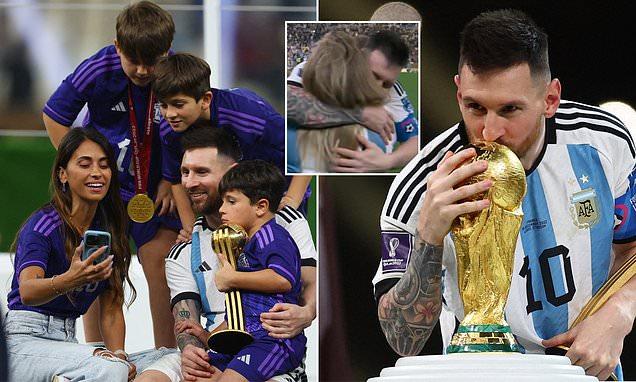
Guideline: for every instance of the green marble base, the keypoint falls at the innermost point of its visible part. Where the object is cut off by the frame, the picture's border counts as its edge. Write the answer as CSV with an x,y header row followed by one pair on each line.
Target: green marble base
x,y
483,338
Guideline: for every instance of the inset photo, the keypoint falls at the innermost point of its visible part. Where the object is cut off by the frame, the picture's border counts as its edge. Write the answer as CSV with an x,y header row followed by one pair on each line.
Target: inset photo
x,y
352,96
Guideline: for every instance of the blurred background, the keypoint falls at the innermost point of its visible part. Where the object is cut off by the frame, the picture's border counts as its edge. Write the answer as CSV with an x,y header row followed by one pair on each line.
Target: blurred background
x,y
42,41
591,52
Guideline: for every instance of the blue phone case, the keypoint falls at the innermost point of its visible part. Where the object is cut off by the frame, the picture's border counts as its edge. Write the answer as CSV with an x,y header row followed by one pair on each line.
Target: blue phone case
x,y
94,240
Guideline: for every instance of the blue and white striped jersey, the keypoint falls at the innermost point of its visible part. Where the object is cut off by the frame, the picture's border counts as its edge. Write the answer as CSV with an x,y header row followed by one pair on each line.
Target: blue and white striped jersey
x,y
580,199
191,266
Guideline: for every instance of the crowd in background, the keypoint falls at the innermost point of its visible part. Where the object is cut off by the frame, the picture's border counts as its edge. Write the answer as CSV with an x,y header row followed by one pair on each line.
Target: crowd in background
x,y
301,37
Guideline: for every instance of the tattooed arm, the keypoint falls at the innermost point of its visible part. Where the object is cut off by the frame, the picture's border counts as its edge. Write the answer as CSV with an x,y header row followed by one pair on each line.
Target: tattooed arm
x,y
408,311
195,362
308,112
304,109
184,311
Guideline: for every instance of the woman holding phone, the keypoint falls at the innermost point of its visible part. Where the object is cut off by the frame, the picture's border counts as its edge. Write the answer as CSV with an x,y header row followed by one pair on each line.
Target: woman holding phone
x,y
53,283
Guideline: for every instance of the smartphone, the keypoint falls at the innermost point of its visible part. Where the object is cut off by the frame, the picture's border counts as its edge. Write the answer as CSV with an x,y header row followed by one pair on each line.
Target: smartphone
x,y
94,240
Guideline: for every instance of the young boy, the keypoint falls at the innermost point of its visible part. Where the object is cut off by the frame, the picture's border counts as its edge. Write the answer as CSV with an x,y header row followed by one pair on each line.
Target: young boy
x,y
268,271
115,84
182,86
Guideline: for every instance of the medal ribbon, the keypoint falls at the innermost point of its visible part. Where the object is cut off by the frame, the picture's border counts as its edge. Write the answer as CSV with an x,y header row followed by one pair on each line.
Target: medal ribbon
x,y
141,152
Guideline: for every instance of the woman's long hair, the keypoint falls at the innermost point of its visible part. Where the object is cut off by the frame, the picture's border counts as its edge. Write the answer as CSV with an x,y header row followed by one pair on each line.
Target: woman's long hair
x,y
338,73
315,146
110,210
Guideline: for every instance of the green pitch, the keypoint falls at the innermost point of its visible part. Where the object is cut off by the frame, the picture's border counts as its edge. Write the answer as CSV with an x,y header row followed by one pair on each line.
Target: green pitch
x,y
25,170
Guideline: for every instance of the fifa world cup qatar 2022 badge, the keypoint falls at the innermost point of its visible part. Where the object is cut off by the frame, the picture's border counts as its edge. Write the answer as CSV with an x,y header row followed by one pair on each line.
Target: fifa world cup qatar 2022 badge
x,y
396,249
584,208
485,246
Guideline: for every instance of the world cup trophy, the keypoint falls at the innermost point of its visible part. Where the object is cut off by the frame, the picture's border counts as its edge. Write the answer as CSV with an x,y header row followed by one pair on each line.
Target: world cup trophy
x,y
485,247
229,240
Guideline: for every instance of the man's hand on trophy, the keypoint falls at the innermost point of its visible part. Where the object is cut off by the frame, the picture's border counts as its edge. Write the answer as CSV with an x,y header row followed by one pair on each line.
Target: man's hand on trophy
x,y
596,343
445,197
286,320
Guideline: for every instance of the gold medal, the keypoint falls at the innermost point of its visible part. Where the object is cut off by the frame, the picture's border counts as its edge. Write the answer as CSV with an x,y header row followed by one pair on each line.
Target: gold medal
x,y
140,208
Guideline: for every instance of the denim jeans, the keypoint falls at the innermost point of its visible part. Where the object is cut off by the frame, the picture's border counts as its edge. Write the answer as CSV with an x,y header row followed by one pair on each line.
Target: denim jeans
x,y
41,346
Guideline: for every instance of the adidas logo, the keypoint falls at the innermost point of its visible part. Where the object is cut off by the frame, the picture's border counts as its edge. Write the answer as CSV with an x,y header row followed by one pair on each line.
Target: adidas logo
x,y
245,359
204,267
119,107
242,261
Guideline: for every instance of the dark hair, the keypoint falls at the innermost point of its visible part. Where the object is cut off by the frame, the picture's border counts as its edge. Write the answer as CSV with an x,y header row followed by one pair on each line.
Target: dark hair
x,y
110,210
391,45
501,39
202,135
144,32
181,73
257,180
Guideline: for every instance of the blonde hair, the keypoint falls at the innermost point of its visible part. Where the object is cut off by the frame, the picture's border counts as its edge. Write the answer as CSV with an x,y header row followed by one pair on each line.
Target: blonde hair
x,y
338,73
315,146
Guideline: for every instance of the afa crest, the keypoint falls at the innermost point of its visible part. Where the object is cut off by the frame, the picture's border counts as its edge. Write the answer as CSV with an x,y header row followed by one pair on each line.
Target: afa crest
x,y
584,208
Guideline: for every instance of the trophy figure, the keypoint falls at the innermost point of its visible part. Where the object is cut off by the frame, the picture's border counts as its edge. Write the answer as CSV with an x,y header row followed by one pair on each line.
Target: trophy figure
x,y
485,246
229,240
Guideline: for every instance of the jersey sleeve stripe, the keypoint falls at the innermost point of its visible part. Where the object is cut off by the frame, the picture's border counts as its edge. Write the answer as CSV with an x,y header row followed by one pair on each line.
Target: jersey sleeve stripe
x,y
293,212
80,78
283,214
92,62
241,115
176,250
398,89
404,186
565,106
45,219
97,73
185,296
596,126
56,116
246,126
595,119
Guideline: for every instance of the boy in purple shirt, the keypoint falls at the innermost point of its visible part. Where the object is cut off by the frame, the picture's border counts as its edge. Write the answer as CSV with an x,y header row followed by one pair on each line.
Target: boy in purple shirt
x,y
268,271
182,85
115,84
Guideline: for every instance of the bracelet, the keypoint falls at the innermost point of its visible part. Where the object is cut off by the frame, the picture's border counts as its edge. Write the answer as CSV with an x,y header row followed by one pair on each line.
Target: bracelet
x,y
55,290
122,353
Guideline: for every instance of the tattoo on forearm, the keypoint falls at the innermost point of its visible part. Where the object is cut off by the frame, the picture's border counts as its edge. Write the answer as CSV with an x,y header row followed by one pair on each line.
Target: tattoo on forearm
x,y
304,109
185,310
408,311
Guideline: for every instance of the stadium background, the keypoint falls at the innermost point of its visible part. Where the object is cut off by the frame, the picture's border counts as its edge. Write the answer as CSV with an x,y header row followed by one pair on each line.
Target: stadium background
x,y
302,36
591,51
41,42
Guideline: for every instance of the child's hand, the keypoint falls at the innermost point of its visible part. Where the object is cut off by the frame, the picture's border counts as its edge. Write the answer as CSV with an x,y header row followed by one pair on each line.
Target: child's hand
x,y
164,198
225,275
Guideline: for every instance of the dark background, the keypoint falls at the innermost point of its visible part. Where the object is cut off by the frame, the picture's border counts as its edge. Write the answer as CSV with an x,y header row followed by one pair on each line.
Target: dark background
x,y
591,52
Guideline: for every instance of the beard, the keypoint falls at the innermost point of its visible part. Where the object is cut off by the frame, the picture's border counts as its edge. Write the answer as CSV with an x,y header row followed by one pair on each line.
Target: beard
x,y
210,206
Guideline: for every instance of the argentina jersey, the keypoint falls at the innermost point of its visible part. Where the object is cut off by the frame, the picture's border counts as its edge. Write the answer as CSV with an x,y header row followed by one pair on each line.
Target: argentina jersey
x,y
190,270
578,202
401,110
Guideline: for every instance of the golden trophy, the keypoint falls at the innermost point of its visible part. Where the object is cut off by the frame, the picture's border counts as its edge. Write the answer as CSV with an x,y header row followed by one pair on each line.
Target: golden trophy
x,y
229,240
485,246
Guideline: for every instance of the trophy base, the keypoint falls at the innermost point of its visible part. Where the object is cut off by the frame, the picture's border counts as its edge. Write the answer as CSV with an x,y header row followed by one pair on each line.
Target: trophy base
x,y
483,338
229,341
